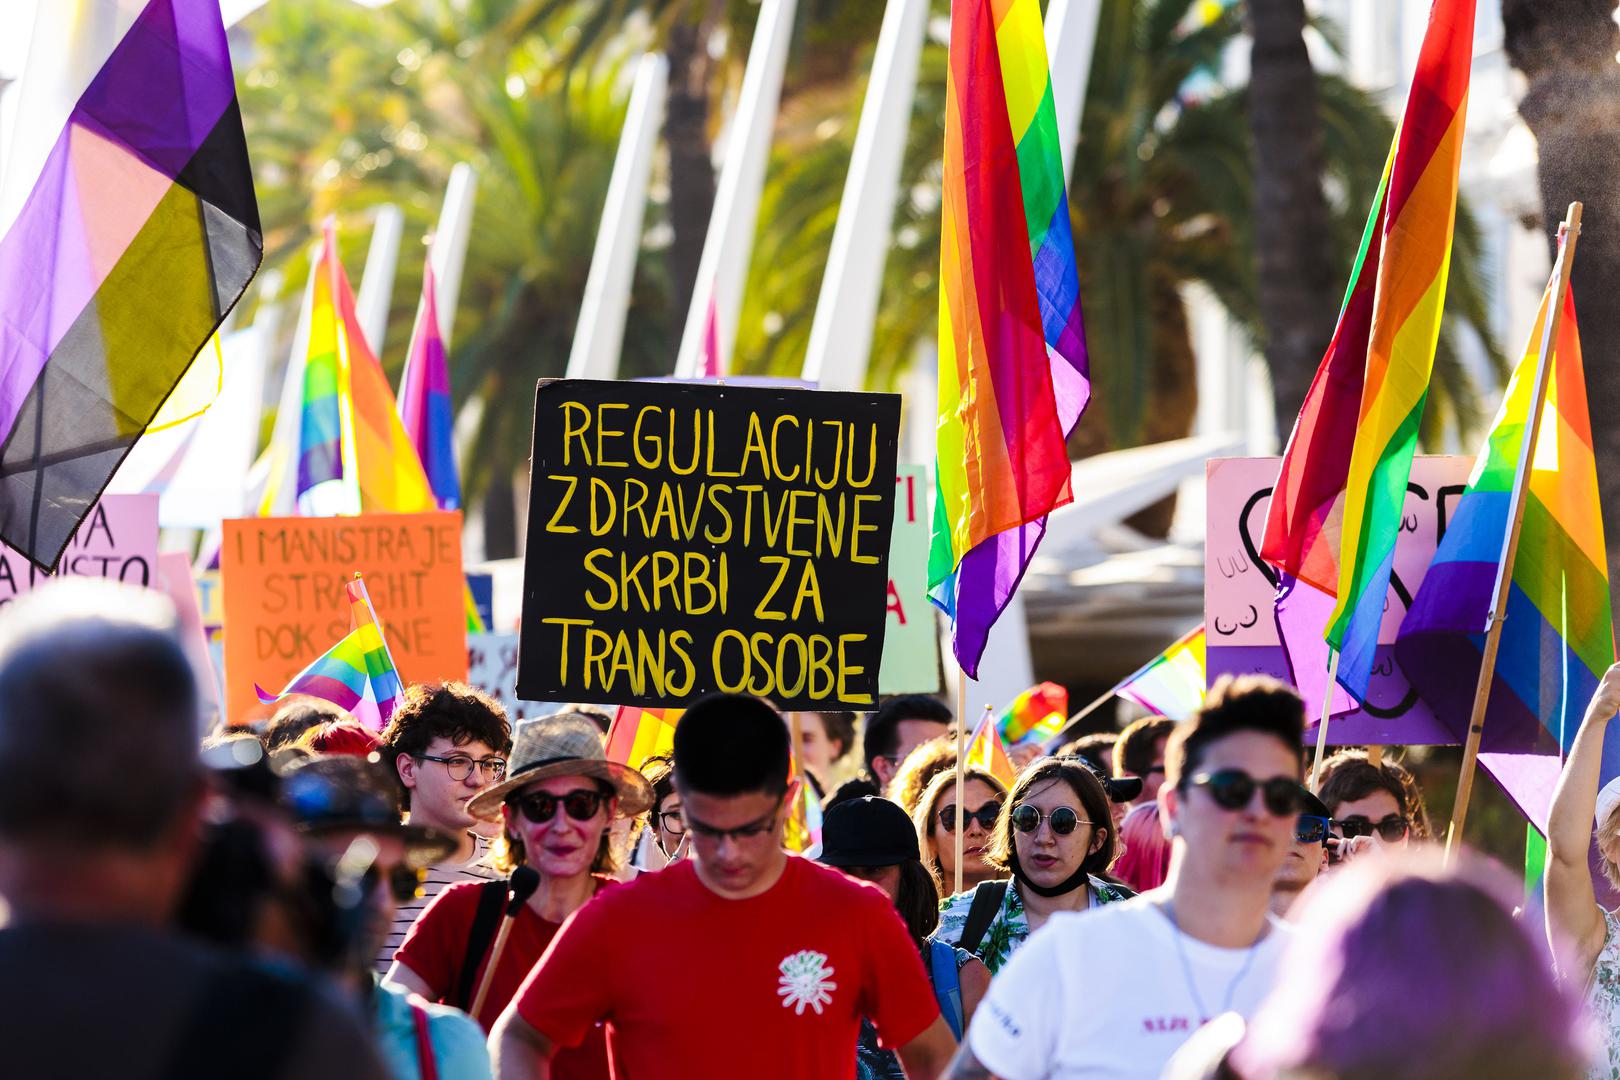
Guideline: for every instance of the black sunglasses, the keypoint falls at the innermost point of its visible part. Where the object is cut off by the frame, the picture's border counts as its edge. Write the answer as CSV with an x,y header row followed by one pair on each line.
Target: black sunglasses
x,y
1391,829
1312,829
1064,820
984,815
1232,789
539,807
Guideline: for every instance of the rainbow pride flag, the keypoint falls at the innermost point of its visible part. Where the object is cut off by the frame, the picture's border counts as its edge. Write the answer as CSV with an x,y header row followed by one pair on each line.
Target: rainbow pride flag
x,y
1172,683
128,231
802,833
638,734
350,433
1013,372
359,668
424,399
1358,429
986,751
1558,633
1035,715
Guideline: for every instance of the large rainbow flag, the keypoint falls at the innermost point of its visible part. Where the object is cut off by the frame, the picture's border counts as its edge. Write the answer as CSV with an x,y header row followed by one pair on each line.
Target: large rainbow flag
x,y
1013,373
357,671
129,229
424,399
1357,431
1172,683
1557,636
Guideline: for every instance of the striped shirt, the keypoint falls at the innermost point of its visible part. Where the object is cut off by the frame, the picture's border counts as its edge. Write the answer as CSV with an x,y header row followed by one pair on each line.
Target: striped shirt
x,y
439,875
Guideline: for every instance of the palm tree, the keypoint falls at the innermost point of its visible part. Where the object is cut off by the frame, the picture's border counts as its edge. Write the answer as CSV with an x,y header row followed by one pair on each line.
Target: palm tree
x,y
1571,104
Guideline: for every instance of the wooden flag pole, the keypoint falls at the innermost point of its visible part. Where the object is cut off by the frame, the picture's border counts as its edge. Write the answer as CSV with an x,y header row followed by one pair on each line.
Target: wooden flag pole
x,y
1321,724
961,752
1375,756
1569,232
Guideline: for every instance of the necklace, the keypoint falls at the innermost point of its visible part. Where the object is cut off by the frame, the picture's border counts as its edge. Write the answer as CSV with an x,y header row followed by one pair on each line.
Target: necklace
x,y
1204,1016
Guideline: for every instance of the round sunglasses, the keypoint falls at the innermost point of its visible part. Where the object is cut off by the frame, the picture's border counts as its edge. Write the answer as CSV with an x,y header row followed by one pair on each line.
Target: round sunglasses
x,y
1232,789
984,815
1391,829
1064,820
539,807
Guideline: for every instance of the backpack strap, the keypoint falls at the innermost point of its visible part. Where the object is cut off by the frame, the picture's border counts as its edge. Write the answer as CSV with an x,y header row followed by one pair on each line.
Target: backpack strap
x,y
424,1041
491,899
947,979
987,899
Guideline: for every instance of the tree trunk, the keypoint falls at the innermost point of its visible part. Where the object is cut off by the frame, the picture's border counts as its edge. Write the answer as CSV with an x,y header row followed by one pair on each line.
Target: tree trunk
x,y
1297,279
691,165
1566,50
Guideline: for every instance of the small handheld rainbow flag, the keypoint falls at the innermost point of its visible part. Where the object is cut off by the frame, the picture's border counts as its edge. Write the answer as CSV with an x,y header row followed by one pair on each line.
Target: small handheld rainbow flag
x,y
986,751
1035,715
1172,683
637,734
358,661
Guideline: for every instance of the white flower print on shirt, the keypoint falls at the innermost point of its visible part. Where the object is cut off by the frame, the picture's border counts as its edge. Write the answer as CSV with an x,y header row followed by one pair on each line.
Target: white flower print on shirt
x,y
806,982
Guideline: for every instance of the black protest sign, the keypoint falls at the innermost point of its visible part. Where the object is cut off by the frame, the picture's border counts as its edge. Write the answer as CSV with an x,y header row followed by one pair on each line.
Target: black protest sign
x,y
687,538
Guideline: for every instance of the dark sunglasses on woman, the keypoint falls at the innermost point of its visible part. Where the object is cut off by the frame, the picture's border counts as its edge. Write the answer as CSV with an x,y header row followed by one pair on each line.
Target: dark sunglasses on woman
x,y
984,815
1232,789
539,807
1391,829
1064,820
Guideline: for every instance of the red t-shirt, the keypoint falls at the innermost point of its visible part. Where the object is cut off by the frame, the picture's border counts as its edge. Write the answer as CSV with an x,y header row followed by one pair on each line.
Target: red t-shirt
x,y
437,943
693,985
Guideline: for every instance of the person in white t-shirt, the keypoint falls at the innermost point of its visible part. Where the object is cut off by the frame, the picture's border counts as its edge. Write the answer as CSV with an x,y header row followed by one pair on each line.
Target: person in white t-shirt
x,y
1201,945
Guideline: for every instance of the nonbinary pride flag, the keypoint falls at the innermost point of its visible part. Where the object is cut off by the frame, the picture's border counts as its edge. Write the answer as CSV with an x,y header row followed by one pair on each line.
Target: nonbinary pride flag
x,y
1013,373
137,232
1357,431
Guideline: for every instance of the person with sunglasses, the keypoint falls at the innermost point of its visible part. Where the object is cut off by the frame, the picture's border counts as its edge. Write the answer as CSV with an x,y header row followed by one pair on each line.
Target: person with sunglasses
x,y
741,960
1054,835
1306,856
555,805
1380,801
937,819
1202,945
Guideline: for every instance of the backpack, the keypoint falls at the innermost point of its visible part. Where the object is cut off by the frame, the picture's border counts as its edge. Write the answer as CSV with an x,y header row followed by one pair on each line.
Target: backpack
x,y
944,972
987,899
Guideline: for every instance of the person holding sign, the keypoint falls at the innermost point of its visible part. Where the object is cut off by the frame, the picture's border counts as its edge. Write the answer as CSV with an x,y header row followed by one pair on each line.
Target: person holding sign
x,y
557,802
788,955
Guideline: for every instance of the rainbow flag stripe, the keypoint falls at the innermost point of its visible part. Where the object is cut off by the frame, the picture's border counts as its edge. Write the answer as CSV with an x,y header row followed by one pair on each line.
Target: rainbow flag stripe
x,y
135,232
1418,216
986,751
1558,634
1013,372
802,833
1035,715
320,436
638,734
424,399
342,674
1172,683
386,685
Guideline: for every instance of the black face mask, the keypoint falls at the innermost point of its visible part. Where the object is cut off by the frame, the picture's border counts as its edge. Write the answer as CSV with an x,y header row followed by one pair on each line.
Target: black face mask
x,y
1067,885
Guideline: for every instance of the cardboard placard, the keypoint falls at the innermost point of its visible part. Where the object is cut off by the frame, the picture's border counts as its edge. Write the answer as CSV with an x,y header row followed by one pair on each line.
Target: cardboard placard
x,y
492,661
911,638
685,539
284,601
117,541
1239,591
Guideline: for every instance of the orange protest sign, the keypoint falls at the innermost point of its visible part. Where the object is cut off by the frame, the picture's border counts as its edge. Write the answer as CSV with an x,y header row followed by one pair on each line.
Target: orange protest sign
x,y
284,605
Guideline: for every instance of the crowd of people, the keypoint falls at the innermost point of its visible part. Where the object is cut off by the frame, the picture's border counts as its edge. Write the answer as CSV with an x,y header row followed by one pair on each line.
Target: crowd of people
x,y
450,898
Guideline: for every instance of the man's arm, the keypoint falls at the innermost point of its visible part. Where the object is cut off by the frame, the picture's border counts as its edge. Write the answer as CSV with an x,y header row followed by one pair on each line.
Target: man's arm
x,y
926,1056
964,1066
518,1050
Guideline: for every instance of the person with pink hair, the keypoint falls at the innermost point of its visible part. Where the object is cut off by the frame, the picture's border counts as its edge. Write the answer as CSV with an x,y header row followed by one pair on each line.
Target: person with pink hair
x,y
1147,851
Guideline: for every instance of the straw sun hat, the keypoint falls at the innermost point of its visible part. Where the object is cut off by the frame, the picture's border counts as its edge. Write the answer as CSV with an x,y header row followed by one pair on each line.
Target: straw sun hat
x,y
567,744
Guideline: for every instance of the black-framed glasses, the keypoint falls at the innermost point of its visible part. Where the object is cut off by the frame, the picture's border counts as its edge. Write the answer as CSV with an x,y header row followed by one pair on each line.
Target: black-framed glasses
x,y
1232,789
1391,829
460,766
1026,818
671,821
1312,829
581,804
984,815
759,827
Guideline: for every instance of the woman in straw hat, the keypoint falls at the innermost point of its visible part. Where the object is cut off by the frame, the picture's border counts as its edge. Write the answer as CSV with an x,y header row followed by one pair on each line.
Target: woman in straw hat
x,y
556,805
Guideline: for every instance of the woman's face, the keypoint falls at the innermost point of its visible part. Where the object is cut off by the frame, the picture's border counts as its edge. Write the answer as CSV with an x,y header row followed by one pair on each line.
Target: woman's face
x,y
978,796
576,813
815,750
1048,858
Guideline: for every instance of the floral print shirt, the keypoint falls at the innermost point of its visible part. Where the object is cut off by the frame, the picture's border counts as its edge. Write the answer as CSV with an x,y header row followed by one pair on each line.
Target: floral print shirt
x,y
1603,1000
1010,926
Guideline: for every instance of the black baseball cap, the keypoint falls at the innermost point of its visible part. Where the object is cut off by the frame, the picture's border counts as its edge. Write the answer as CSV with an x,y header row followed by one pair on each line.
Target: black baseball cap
x,y
1310,804
868,831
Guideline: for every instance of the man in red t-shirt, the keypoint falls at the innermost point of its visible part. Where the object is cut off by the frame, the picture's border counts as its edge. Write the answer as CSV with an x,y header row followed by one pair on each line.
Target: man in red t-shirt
x,y
740,961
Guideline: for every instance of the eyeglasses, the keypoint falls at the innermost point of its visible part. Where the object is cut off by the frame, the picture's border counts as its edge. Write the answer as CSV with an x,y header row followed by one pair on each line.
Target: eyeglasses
x,y
1232,789
1312,829
754,829
460,766
540,807
984,815
671,822
1026,818
1391,829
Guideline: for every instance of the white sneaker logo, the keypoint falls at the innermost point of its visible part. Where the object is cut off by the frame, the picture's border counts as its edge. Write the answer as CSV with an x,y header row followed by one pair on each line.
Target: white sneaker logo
x,y
806,982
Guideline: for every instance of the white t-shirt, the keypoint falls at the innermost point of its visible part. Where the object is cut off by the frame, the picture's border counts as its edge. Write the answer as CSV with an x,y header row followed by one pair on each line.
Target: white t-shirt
x,y
1104,993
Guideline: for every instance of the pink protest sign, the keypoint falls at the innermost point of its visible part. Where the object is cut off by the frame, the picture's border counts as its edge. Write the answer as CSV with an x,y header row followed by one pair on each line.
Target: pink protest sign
x,y
1239,594
118,540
